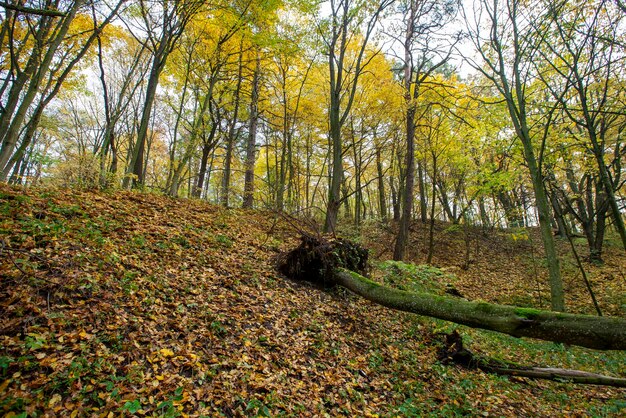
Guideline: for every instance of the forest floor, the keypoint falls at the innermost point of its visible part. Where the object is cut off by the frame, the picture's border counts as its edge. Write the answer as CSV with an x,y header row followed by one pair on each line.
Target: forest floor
x,y
135,304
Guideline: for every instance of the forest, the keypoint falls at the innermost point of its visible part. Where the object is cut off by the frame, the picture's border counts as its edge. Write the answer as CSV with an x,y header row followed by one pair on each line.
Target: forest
x,y
175,173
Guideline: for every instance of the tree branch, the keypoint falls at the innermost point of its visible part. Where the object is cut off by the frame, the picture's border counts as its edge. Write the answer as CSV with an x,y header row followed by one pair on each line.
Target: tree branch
x,y
31,10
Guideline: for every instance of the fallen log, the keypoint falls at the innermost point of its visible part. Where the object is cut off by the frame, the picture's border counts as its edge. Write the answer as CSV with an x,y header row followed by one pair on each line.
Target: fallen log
x,y
600,333
322,261
453,351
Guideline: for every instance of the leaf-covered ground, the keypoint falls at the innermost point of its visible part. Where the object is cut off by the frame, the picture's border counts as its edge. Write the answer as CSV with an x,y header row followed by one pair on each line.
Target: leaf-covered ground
x,y
137,304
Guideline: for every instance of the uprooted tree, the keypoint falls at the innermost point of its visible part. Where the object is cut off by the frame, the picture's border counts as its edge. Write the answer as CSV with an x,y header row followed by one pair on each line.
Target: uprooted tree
x,y
341,262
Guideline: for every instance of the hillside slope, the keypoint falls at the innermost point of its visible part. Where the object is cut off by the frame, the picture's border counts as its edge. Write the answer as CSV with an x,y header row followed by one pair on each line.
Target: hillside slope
x,y
146,305
506,266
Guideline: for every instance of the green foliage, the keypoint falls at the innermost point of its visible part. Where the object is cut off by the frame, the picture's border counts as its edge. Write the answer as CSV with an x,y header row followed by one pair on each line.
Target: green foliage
x,y
256,408
34,342
182,241
5,362
415,278
166,408
612,407
132,406
375,360
44,231
224,240
139,241
217,327
69,211
128,282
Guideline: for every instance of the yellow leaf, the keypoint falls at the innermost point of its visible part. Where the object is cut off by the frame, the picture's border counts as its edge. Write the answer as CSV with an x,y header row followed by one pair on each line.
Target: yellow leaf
x,y
4,385
166,352
56,398
160,377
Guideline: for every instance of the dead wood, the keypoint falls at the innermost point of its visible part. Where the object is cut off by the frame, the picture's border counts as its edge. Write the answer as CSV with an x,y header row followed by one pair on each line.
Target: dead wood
x,y
452,351
341,262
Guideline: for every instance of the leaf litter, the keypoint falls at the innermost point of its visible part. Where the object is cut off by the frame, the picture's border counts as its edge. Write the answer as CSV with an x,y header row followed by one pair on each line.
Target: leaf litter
x,y
142,305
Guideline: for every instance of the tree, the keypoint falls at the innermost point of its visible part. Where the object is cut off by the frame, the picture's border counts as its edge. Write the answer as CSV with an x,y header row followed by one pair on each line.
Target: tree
x,y
347,19
506,57
424,53
260,34
42,50
120,77
289,92
583,66
163,24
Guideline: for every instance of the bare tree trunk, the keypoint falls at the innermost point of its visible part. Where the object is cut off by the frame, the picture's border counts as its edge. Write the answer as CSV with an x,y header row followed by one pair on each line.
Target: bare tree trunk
x,y
13,115
232,133
422,191
207,146
248,190
382,198
174,18
431,229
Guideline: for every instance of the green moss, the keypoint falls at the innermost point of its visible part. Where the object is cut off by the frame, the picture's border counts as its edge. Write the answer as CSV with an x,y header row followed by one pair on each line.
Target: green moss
x,y
528,313
486,307
415,278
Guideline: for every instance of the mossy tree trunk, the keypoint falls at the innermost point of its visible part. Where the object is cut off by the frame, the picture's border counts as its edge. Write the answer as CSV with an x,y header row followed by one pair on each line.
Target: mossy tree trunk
x,y
333,263
600,333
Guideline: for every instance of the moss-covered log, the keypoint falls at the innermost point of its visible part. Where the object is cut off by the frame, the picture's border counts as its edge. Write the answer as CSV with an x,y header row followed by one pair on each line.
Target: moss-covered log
x,y
332,262
601,333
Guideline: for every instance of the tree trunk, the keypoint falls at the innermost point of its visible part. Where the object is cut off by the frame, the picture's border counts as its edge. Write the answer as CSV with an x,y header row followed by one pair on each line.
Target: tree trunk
x,y
407,194
601,333
27,138
248,190
431,228
484,217
382,199
336,173
422,191
207,147
36,72
137,163
343,80
395,201
232,133
335,262
557,298
559,217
